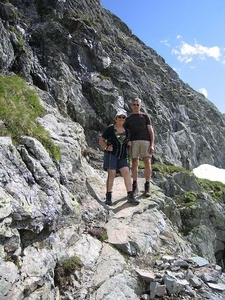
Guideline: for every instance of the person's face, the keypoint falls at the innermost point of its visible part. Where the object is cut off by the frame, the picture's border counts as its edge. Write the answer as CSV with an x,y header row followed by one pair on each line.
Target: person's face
x,y
135,106
120,119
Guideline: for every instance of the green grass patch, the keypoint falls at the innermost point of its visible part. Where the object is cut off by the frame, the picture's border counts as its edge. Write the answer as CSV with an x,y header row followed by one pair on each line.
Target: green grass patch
x,y
19,110
72,264
63,271
168,169
214,188
188,199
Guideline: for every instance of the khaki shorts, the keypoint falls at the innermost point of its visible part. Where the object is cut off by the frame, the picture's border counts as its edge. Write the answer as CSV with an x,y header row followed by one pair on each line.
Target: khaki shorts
x,y
140,149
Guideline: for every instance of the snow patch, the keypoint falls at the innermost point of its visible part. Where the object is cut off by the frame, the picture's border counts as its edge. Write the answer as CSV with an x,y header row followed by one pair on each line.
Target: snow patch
x,y
210,172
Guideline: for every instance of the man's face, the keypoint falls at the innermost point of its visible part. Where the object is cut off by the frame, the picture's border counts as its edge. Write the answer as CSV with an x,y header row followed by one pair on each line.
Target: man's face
x,y
135,106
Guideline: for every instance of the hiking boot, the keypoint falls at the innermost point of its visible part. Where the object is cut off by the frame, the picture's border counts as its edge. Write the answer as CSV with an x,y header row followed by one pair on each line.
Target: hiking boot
x,y
147,192
135,187
131,198
108,198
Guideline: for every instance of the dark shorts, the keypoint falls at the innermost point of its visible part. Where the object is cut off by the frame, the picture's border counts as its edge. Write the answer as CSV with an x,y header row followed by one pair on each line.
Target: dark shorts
x,y
113,163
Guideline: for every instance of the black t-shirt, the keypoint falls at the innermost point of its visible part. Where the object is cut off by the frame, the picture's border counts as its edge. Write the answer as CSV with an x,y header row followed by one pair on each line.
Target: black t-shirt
x,y
118,140
137,126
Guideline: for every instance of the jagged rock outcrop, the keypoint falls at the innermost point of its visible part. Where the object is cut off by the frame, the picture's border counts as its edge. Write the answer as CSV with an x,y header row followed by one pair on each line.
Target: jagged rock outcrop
x,y
91,63
58,240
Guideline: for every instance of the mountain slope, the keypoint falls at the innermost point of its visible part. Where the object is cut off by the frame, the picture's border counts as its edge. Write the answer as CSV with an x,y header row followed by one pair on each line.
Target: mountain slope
x,y
92,64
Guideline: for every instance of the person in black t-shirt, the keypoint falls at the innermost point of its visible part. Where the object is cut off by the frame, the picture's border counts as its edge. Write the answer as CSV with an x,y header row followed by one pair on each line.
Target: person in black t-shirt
x,y
142,143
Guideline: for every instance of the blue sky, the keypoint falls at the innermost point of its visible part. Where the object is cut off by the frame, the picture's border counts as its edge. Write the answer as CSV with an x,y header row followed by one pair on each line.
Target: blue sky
x,y
188,34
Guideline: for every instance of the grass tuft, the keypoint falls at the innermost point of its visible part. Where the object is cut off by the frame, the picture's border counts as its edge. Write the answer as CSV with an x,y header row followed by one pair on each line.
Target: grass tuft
x,y
19,111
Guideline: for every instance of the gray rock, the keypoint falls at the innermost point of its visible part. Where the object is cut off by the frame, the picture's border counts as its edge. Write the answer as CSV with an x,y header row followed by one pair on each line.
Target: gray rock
x,y
200,261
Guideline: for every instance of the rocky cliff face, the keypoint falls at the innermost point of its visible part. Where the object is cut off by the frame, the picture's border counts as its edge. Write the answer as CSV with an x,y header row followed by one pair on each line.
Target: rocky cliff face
x,y
92,64
56,233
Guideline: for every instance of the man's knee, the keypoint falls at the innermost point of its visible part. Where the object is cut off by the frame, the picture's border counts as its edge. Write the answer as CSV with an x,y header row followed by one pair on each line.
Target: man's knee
x,y
147,161
135,161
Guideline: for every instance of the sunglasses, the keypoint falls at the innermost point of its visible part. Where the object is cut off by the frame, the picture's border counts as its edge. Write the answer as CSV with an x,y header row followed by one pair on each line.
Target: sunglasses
x,y
121,117
135,104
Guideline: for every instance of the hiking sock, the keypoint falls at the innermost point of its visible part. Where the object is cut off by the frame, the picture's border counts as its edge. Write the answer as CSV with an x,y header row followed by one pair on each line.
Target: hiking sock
x,y
108,198
135,187
147,189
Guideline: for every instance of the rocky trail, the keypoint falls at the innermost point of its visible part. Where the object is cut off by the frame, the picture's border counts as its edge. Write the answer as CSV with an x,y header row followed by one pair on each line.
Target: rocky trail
x,y
119,193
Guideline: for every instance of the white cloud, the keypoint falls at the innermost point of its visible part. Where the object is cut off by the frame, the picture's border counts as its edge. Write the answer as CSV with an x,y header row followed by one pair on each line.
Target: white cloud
x,y
186,53
204,92
165,42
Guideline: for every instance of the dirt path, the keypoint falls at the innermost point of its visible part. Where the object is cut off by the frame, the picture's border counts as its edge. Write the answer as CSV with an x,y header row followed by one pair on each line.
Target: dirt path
x,y
119,194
